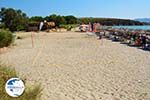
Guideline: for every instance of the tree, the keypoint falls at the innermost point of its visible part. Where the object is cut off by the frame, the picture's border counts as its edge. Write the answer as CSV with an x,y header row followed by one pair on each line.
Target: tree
x,y
36,19
13,19
61,20
56,18
71,19
110,21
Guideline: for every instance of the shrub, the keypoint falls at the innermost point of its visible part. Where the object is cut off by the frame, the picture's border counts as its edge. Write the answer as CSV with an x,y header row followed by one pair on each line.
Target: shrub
x,y
20,28
6,38
32,93
68,26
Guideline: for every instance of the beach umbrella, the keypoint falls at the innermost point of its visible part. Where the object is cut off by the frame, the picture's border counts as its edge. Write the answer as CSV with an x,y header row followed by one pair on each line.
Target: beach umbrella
x,y
41,25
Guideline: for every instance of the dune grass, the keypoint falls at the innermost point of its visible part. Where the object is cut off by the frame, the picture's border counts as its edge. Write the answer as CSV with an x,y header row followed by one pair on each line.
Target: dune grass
x,y
31,93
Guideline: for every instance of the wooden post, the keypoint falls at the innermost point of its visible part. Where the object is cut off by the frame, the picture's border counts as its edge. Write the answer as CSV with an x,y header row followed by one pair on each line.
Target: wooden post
x,y
32,40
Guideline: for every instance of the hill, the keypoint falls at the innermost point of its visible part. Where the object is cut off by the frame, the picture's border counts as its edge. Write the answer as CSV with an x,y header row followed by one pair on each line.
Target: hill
x,y
143,19
111,21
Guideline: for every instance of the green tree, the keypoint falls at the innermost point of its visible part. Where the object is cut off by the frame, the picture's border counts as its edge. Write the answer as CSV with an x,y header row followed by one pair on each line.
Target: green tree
x,y
56,18
62,19
36,19
110,21
71,19
13,19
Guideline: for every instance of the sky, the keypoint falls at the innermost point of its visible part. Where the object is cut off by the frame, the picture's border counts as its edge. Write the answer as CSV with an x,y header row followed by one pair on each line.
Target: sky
x,y
127,9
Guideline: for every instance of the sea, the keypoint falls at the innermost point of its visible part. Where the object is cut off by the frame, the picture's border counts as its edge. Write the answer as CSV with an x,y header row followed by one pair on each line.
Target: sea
x,y
147,27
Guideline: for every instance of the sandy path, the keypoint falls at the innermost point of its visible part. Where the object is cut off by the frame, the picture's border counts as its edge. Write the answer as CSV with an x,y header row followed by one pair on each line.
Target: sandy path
x,y
74,66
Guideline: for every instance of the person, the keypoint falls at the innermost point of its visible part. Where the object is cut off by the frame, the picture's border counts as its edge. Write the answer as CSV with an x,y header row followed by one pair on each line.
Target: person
x,y
134,36
98,27
138,41
100,36
86,28
92,27
143,38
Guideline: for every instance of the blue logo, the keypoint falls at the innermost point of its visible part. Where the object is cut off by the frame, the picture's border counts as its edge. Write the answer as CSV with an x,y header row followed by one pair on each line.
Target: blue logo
x,y
14,87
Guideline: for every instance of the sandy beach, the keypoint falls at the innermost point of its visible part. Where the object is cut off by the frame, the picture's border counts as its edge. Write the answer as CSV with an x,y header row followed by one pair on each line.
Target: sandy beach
x,y
75,66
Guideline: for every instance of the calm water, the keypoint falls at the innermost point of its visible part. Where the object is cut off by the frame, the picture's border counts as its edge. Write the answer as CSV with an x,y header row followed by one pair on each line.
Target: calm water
x,y
134,27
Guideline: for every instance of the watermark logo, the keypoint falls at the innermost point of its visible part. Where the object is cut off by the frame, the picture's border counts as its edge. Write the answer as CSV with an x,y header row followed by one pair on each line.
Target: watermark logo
x,y
14,87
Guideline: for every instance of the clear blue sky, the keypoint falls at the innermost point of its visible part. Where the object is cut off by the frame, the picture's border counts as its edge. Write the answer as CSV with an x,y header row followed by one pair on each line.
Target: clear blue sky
x,y
83,8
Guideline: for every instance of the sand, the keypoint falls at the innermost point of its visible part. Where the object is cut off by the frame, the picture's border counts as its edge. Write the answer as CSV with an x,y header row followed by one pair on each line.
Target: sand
x,y
74,66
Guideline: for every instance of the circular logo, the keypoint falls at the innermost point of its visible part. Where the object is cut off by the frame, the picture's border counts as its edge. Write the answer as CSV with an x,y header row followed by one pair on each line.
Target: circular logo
x,y
14,87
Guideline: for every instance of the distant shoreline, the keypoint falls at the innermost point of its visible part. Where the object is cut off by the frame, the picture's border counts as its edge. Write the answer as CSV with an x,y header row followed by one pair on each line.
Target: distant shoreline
x,y
135,27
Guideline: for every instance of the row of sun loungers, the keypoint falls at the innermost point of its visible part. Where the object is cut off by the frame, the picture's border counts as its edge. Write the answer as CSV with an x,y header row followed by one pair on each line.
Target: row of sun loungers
x,y
131,38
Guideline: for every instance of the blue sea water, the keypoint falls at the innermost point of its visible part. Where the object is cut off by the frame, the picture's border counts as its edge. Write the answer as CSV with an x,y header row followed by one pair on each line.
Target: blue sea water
x,y
134,27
